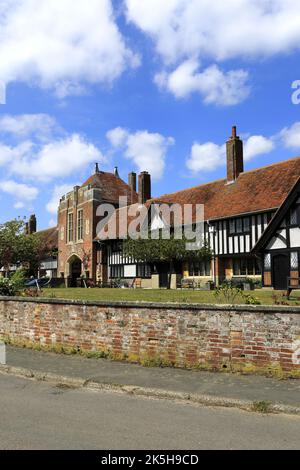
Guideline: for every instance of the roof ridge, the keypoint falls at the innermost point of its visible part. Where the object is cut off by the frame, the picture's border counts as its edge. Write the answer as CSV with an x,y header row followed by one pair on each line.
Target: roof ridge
x,y
47,229
271,165
224,179
188,189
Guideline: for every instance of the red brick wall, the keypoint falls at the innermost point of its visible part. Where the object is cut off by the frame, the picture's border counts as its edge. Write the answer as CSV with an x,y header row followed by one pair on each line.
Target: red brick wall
x,y
249,339
80,248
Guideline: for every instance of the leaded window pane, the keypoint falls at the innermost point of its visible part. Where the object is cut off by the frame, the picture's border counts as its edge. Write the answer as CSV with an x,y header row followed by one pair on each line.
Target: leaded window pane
x,y
232,226
243,267
294,217
267,261
239,225
246,224
294,260
236,267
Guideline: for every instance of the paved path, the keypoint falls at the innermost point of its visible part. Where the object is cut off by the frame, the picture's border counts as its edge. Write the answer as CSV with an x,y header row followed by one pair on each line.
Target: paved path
x,y
232,386
37,415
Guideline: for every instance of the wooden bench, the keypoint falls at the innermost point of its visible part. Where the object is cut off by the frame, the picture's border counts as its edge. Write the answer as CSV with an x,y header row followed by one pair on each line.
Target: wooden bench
x,y
292,284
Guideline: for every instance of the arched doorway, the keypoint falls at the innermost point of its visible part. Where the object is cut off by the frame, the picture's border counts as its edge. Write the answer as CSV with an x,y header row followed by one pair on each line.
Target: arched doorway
x,y
75,270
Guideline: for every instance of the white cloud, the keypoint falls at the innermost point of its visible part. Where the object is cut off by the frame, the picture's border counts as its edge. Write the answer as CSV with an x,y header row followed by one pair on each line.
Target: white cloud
x,y
219,31
210,156
22,193
57,193
187,33
257,145
291,136
206,157
117,137
61,45
216,86
58,158
19,205
8,154
25,125
147,150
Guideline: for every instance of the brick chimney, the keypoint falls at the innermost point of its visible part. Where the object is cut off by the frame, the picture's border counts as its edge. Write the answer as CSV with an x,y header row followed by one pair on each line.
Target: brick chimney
x,y
235,157
144,187
132,181
32,224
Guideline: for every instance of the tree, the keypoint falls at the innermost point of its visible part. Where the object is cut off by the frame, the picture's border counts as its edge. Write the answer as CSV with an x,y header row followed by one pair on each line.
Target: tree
x,y
160,250
17,248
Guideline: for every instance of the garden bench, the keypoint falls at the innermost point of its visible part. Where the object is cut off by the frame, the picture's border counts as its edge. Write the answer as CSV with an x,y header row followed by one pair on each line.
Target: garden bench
x,y
292,284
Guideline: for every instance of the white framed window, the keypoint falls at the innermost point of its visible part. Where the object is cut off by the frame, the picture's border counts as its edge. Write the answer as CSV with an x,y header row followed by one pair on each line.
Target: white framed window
x,y
80,225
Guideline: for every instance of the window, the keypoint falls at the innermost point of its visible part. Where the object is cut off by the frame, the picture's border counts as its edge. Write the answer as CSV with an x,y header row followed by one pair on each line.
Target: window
x,y
80,225
144,271
267,262
116,247
239,225
232,226
246,223
294,260
70,227
246,267
117,272
201,268
293,217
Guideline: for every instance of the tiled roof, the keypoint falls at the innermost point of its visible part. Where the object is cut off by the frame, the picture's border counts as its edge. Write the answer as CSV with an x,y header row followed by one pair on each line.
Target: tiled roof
x,y
49,238
253,191
276,221
111,187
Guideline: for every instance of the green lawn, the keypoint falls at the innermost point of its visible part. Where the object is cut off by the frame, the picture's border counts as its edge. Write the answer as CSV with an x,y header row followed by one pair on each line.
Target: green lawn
x,y
179,296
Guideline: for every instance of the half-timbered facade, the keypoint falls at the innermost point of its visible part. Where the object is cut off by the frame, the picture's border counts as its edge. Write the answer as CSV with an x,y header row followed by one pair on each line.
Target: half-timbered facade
x,y
241,216
279,246
238,210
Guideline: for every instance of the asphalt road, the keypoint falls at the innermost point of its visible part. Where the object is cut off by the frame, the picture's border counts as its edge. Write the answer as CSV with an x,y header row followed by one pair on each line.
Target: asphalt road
x,y
40,416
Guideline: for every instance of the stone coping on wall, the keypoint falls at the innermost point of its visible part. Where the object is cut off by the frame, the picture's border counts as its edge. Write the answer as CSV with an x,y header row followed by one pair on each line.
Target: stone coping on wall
x,y
159,305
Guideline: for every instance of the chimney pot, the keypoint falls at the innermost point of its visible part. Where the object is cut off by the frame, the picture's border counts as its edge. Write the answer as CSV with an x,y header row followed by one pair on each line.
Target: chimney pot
x,y
97,168
144,187
235,156
132,181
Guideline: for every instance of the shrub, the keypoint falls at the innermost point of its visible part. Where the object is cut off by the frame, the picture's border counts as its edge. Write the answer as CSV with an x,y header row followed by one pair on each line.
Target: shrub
x,y
229,294
18,280
7,287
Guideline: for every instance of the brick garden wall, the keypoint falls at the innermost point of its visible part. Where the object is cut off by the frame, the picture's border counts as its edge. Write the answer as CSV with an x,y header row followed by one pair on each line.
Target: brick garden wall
x,y
249,339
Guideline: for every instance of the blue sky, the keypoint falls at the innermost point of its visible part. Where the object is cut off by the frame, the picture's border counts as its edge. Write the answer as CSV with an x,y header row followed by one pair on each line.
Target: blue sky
x,y
142,85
